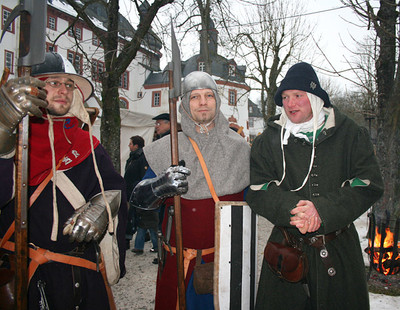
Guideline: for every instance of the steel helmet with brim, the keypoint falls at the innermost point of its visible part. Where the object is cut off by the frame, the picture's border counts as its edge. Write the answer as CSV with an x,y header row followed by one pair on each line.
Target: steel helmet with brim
x,y
57,65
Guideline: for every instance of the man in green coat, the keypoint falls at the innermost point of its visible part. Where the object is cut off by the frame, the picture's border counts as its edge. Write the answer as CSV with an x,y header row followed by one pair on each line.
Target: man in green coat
x,y
313,171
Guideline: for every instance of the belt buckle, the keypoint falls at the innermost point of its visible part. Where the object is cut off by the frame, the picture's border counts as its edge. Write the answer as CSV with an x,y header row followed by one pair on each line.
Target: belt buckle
x,y
315,238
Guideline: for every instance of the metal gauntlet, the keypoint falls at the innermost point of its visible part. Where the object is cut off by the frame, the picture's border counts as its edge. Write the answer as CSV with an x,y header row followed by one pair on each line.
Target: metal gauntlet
x,y
148,193
18,97
90,221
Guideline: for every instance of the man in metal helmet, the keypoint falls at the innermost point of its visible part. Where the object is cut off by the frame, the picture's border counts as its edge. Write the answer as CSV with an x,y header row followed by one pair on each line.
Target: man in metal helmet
x,y
71,213
226,155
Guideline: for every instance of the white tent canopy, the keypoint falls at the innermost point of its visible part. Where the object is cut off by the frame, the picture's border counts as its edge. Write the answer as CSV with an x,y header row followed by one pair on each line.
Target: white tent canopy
x,y
132,124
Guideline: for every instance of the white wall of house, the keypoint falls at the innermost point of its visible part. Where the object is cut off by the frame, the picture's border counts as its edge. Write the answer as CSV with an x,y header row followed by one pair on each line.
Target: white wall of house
x,y
139,99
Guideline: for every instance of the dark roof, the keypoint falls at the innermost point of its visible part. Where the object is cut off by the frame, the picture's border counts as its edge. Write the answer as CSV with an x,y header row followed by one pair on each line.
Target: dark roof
x,y
254,110
219,67
99,12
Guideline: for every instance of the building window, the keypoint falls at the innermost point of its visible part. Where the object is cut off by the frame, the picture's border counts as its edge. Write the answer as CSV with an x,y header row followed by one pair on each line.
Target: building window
x,y
5,12
9,60
97,70
251,122
123,103
96,41
124,80
77,31
202,66
232,70
50,47
77,60
232,97
156,101
52,22
140,94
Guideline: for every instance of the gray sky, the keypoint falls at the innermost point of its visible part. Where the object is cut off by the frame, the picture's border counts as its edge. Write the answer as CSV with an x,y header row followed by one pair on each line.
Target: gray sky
x,y
332,29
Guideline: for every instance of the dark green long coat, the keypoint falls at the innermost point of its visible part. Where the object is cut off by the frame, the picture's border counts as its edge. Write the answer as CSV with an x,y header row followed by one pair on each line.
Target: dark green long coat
x,y
344,182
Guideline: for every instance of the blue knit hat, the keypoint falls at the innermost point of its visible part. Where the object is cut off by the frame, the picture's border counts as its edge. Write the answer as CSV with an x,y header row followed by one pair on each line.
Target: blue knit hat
x,y
302,76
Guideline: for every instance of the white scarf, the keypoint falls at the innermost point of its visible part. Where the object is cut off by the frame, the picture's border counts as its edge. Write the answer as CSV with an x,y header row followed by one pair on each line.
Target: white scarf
x,y
313,124
296,129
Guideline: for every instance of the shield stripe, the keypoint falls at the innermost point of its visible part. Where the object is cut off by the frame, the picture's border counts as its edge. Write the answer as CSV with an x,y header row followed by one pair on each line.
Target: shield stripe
x,y
236,256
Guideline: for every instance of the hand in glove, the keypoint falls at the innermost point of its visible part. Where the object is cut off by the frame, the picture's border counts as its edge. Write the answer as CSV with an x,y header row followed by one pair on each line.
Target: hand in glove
x,y
18,97
172,182
90,221
148,193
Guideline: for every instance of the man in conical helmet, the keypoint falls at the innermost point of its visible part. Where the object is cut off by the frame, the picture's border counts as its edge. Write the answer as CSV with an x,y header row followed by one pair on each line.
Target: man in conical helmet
x,y
77,190
226,155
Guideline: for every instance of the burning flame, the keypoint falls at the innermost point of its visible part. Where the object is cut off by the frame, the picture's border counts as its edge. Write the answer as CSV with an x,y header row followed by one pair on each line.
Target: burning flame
x,y
387,254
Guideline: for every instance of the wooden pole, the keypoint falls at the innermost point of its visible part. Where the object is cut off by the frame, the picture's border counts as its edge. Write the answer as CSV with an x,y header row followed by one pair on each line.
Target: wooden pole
x,y
177,199
21,197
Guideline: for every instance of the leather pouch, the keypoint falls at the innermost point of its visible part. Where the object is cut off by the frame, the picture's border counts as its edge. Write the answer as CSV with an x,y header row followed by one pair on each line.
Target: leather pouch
x,y
203,276
286,260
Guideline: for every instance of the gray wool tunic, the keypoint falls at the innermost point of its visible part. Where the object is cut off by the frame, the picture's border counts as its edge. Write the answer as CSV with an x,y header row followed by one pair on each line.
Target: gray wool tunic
x,y
343,155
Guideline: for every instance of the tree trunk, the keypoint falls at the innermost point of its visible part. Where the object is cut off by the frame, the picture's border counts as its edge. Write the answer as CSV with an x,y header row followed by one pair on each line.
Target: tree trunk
x,y
111,119
388,141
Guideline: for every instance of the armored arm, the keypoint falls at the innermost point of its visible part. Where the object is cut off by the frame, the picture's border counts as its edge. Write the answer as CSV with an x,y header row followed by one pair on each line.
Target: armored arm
x,y
90,221
148,193
18,97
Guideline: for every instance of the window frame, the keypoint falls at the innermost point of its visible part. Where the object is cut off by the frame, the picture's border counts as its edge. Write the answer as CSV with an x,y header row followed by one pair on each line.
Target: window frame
x,y
96,73
232,92
124,78
11,53
154,94
55,22
49,45
3,20
126,102
73,61
201,66
72,31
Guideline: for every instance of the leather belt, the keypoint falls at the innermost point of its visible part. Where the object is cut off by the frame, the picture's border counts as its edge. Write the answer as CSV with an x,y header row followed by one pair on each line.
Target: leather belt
x,y
319,242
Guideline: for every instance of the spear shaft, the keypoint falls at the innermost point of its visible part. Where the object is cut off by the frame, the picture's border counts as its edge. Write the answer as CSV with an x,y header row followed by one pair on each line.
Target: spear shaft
x,y
177,199
21,197
174,93
31,52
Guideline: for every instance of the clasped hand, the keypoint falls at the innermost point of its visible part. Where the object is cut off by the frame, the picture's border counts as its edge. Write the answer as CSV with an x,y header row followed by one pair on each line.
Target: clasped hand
x,y
305,217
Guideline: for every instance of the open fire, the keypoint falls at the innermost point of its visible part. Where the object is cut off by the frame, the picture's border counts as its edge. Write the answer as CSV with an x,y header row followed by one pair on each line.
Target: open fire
x,y
384,244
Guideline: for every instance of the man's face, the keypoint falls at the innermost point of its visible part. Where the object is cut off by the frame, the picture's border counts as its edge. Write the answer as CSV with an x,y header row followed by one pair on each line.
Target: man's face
x,y
202,105
60,92
162,126
132,147
297,106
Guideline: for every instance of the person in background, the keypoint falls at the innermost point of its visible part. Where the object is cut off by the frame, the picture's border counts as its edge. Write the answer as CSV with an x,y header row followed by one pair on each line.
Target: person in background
x,y
313,172
135,168
76,187
162,126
